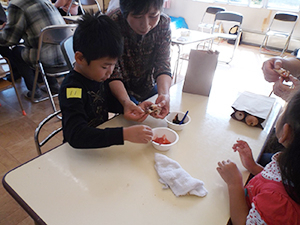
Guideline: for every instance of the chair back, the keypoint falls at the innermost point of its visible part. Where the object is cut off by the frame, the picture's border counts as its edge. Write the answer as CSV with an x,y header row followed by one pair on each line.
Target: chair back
x,y
209,16
85,3
284,22
68,52
226,18
282,26
214,9
88,2
229,16
54,34
40,143
292,17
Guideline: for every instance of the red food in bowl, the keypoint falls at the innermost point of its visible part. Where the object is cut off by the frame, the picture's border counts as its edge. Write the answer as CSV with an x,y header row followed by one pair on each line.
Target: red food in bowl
x,y
162,140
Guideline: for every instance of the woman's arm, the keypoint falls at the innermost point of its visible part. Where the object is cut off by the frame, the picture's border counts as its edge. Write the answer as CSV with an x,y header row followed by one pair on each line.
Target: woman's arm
x,y
163,98
131,110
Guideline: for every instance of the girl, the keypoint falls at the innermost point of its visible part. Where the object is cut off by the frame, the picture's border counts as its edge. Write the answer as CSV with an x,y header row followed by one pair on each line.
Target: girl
x,y
273,195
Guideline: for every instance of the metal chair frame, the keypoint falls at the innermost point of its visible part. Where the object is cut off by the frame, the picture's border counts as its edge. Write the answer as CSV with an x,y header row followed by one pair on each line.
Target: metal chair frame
x,y
286,18
5,83
39,143
210,11
223,17
67,50
83,3
53,34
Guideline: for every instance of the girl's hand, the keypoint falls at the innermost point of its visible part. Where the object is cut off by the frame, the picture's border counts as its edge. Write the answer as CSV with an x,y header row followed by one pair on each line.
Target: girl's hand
x,y
138,134
246,156
230,173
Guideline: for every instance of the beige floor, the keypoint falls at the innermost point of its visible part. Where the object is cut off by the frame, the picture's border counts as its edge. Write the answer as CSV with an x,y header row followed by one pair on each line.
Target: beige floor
x,y
16,131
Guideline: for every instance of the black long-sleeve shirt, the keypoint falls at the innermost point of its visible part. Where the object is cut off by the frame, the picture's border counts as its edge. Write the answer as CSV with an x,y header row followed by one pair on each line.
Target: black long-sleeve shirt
x,y
85,104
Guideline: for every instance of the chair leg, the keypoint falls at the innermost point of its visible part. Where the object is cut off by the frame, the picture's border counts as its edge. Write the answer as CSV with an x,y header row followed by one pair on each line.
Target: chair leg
x,y
263,44
34,84
286,45
49,91
18,96
237,42
14,85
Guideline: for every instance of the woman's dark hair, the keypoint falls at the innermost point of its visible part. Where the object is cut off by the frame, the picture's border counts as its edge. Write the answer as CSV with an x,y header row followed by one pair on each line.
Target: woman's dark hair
x,y
97,36
138,7
289,160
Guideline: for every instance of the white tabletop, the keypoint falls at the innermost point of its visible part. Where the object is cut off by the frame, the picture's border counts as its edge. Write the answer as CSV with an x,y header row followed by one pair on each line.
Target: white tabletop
x,y
71,19
186,36
119,185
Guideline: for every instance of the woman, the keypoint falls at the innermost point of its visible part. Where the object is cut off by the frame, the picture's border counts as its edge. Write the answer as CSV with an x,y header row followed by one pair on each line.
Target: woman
x,y
144,68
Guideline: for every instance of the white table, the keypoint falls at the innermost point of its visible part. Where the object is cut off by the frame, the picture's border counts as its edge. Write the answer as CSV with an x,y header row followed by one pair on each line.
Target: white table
x,y
71,19
119,185
181,37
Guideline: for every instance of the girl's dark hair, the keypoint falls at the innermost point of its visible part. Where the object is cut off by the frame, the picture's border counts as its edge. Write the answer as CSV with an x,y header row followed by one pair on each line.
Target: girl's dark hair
x,y
139,6
289,160
97,36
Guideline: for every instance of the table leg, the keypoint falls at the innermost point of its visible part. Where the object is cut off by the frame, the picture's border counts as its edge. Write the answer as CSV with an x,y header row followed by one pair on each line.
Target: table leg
x,y
175,73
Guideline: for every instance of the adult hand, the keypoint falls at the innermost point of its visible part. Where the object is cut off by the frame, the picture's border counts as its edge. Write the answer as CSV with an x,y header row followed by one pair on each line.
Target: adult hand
x,y
284,91
138,134
163,101
268,69
230,173
134,112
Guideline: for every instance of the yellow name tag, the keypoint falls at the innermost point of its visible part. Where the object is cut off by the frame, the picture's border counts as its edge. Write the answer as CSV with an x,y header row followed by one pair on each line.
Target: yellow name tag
x,y
74,92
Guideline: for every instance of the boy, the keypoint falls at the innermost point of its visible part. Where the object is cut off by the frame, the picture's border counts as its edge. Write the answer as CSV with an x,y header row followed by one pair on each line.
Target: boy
x,y
84,95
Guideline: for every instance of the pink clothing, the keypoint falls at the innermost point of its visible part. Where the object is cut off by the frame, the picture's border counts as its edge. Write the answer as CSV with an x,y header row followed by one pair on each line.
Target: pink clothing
x,y
268,200
65,4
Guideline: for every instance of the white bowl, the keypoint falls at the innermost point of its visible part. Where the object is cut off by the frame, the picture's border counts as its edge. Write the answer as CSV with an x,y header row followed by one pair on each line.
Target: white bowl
x,y
169,118
171,135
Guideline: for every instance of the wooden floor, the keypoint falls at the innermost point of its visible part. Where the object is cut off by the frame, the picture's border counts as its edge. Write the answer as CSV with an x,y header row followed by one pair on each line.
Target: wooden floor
x,y
17,131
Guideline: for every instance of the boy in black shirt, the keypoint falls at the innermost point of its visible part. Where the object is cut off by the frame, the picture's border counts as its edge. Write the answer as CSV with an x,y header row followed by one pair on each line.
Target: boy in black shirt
x,y
84,96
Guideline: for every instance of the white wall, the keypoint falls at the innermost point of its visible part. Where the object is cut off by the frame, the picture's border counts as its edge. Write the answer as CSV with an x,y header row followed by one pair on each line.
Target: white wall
x,y
255,20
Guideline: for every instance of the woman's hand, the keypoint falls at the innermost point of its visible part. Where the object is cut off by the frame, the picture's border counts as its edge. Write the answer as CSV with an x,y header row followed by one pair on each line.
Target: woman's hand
x,y
134,112
163,101
284,91
268,69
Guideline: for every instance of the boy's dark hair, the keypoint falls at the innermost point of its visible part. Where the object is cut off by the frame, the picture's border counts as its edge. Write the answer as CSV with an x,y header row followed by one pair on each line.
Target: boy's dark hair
x,y
97,36
289,160
139,6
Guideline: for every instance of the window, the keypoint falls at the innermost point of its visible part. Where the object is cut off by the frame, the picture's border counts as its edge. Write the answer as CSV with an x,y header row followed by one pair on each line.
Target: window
x,y
289,5
286,4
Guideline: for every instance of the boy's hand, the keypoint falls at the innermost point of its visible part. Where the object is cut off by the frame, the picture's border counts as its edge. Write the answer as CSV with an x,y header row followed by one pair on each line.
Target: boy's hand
x,y
134,112
230,173
246,156
138,134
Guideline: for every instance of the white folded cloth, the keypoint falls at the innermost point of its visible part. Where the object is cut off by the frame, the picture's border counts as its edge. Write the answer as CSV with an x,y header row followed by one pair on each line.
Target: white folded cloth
x,y
173,176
